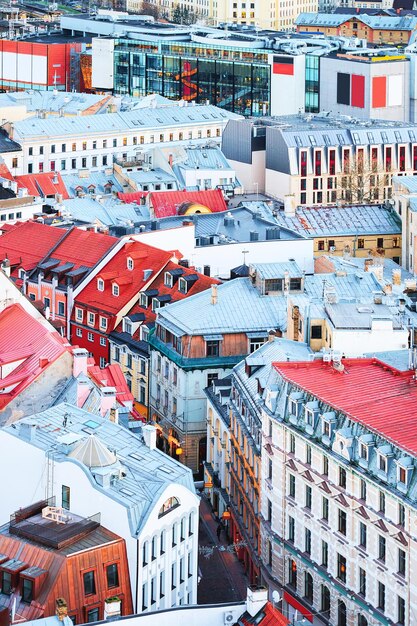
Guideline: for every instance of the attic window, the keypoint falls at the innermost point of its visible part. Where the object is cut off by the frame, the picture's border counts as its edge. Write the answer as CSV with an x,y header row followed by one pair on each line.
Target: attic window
x,y
143,300
382,463
100,284
115,289
168,279
155,304
130,263
127,326
168,505
182,285
363,451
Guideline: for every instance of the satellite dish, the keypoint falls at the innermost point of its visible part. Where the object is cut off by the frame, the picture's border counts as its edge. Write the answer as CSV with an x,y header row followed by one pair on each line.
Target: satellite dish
x,y
276,597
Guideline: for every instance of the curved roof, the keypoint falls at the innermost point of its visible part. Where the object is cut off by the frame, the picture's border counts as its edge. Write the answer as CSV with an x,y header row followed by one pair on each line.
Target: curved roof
x,y
93,453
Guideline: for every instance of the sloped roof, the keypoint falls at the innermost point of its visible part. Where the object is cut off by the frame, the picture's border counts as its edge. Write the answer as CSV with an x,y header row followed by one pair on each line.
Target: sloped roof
x,y
112,376
268,616
132,196
27,243
93,453
23,338
46,184
166,203
368,391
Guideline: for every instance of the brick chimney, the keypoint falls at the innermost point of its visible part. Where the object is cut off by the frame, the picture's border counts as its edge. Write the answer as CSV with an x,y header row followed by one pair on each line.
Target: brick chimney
x,y
107,400
214,294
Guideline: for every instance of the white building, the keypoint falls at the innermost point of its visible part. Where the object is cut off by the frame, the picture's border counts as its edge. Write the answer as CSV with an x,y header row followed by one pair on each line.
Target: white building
x,y
92,465
339,491
93,141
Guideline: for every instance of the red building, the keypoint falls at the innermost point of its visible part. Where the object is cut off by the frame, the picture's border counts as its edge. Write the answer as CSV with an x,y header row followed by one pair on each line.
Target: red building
x,y
38,64
49,554
101,304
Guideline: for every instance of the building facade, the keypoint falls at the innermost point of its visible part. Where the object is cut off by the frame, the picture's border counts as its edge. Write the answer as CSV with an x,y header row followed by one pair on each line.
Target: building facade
x,y
337,492
142,495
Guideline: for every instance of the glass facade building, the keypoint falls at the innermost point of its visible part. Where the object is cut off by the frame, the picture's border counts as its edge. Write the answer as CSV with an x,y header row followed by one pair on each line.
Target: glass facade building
x,y
312,83
234,79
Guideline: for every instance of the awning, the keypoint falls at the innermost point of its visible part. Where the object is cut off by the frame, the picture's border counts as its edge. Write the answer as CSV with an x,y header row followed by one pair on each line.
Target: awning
x,y
297,605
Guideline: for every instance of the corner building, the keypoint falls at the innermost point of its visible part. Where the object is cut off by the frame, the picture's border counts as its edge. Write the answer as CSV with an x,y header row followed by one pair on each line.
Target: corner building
x,y
339,491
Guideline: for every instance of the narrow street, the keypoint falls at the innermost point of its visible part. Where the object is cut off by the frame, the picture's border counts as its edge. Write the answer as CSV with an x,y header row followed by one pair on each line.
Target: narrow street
x,y
222,575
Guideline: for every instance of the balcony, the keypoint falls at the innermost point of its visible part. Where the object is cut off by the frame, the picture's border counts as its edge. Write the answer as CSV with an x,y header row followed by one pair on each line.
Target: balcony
x,y
186,363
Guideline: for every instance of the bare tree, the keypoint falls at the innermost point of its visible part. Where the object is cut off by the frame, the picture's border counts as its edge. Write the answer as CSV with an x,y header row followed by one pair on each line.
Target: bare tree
x,y
359,184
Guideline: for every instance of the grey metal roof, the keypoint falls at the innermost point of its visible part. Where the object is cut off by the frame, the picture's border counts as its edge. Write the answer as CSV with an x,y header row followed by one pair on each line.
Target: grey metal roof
x,y
354,316
409,182
381,22
239,308
339,221
157,175
98,179
277,270
53,101
89,210
141,119
148,472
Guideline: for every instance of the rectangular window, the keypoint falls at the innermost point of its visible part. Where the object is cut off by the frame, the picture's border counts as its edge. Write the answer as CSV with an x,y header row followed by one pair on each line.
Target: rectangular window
x,y
307,541
303,163
341,568
363,490
112,574
325,466
89,583
65,497
291,529
6,583
362,582
93,615
342,522
325,509
27,590
61,308
324,554
308,500
401,562
381,502
382,548
212,348
400,611
292,486
342,477
381,596
362,534
401,514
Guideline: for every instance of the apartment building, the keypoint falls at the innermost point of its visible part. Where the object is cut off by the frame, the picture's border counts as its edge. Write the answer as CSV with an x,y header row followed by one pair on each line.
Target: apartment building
x,y
200,340
93,141
338,505
232,472
98,466
324,160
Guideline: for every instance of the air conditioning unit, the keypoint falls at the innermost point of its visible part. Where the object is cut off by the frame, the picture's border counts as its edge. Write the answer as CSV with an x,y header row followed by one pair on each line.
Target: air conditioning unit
x,y
229,618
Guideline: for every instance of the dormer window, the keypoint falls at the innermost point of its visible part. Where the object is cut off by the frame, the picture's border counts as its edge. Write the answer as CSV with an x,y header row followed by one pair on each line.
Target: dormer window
x,y
115,289
311,411
91,318
328,421
143,300
404,472
127,326
155,304
144,333
22,273
182,285
103,323
382,463
130,263
295,404
100,284
363,451
79,315
168,280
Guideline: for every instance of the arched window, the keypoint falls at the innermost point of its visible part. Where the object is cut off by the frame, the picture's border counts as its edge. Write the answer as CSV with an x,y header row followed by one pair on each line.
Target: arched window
x,y
325,602
341,613
292,573
362,621
308,588
168,505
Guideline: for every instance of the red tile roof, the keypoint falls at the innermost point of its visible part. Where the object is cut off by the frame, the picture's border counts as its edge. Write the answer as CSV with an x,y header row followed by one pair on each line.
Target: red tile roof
x,y
43,184
27,243
5,172
112,376
201,284
130,282
83,247
272,617
368,391
168,203
30,341
133,196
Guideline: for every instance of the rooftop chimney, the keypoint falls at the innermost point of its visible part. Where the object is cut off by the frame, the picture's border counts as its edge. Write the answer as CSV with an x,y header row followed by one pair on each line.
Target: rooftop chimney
x,y
214,296
80,361
396,276
149,436
108,400
27,430
289,205
5,266
256,599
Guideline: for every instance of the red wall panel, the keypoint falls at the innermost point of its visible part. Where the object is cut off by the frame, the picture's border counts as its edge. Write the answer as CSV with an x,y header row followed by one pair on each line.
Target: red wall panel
x,y
358,91
379,91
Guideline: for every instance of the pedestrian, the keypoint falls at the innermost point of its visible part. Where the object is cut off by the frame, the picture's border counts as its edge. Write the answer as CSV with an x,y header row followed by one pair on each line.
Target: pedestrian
x,y
219,530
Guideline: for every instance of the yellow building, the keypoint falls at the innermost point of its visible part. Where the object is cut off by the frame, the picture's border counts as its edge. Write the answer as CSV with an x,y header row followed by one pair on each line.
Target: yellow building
x,y
264,14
